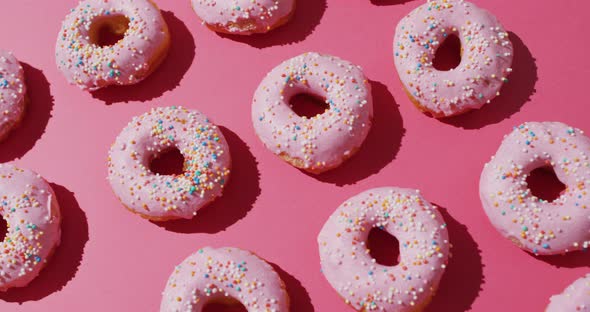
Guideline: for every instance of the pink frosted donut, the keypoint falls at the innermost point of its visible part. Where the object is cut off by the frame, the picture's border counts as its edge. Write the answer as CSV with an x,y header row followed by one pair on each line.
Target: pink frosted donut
x,y
485,63
91,66
533,224
220,275
576,297
31,210
153,196
244,17
12,93
326,140
358,278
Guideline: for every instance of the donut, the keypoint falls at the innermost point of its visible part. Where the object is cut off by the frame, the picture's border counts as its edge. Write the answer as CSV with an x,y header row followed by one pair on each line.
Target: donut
x,y
485,61
219,275
244,17
367,285
533,224
576,297
87,63
206,166
324,141
30,208
12,93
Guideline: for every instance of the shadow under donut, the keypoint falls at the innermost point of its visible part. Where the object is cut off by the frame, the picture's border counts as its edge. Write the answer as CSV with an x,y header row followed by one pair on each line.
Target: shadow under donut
x,y
307,16
575,259
238,196
63,264
166,77
299,299
380,147
463,278
37,113
513,95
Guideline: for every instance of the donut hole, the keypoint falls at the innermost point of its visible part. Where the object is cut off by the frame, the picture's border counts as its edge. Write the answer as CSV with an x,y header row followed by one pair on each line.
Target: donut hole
x,y
544,184
383,247
308,105
448,54
224,305
3,228
169,162
106,31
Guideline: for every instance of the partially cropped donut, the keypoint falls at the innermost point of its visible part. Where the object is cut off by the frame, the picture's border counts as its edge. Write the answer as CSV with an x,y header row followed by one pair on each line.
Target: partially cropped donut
x,y
367,285
324,141
153,196
576,297
244,17
220,275
534,224
485,63
85,62
31,211
12,93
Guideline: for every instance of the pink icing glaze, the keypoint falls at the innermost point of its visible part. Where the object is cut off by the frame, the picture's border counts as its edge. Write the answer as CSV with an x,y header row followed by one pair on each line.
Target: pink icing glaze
x,y
357,277
210,275
576,297
485,63
534,224
12,92
243,17
31,210
160,197
324,141
128,61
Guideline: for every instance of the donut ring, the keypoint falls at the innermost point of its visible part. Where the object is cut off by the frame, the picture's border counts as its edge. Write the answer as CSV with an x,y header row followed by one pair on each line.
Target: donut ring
x,y
424,249
216,275
576,297
12,93
91,66
485,62
31,211
325,141
244,17
157,197
533,224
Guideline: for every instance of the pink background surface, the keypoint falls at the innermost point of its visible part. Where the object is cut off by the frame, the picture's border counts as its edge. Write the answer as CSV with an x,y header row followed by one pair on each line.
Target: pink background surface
x,y
113,260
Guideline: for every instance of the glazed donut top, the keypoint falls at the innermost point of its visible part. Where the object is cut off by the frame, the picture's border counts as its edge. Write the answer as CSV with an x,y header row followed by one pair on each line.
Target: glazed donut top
x,y
325,139
31,210
207,163
576,297
213,274
243,16
12,91
126,62
534,224
485,63
358,278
